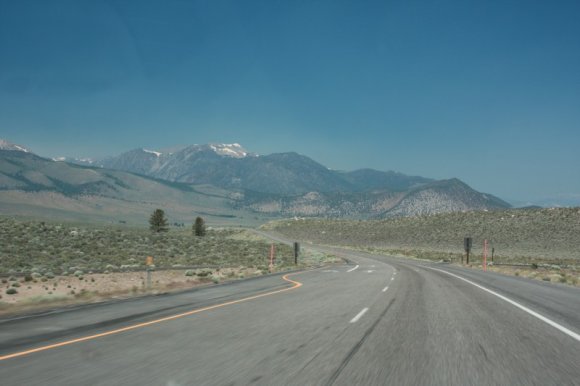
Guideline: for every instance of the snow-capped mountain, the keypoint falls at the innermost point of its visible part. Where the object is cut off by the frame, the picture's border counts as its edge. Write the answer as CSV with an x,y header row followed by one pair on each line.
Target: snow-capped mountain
x,y
274,184
6,145
182,164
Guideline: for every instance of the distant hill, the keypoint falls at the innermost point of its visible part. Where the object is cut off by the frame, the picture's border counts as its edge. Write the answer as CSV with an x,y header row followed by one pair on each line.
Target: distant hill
x,y
516,235
33,186
283,184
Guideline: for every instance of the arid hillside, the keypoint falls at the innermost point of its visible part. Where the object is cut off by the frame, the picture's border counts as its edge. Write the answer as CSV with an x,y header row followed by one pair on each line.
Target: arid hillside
x,y
517,235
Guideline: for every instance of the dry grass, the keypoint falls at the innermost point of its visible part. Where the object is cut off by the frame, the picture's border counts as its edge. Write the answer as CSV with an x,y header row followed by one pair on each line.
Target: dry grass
x,y
548,239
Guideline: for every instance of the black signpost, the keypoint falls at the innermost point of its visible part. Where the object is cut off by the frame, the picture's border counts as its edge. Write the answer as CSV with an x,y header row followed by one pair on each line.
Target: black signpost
x,y
467,243
296,252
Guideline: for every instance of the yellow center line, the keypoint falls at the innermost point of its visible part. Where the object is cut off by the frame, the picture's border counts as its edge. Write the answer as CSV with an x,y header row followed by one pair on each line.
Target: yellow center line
x,y
152,322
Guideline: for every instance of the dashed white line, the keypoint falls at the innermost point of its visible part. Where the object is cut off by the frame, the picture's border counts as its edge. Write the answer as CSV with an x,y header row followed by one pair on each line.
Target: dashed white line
x,y
359,315
392,278
518,305
352,269
385,289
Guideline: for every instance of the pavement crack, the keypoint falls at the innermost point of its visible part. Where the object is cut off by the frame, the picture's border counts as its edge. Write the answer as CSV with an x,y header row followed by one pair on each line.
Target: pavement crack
x,y
357,347
483,351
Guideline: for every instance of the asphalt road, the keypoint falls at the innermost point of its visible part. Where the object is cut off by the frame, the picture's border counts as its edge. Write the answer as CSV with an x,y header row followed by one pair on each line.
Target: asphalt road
x,y
373,321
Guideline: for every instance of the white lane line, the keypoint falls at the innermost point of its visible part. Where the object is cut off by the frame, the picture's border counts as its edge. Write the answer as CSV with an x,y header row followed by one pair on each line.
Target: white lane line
x,y
385,289
370,271
518,305
352,269
359,315
392,278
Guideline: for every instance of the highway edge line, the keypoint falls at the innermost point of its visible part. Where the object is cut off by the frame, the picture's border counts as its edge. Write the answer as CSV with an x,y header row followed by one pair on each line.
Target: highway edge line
x,y
296,285
548,321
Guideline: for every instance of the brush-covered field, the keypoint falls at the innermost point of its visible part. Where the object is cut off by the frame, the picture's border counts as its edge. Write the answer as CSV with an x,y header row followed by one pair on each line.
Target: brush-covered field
x,y
43,262
34,246
550,236
542,244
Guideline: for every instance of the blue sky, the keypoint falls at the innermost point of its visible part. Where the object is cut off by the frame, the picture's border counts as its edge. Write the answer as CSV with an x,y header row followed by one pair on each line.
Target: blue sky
x,y
486,91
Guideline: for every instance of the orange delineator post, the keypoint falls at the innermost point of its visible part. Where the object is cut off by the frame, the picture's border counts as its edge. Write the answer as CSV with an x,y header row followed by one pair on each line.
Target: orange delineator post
x,y
485,255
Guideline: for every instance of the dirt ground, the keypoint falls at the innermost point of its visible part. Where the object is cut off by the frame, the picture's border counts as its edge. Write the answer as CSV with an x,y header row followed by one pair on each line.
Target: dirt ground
x,y
63,290
562,275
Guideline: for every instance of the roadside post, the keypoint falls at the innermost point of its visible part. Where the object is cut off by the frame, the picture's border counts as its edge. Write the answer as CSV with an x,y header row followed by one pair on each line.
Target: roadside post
x,y
272,252
296,252
485,255
467,243
149,263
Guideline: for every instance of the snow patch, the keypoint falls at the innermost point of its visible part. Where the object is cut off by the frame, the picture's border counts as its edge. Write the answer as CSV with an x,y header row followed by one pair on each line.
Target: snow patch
x,y
6,145
234,150
152,152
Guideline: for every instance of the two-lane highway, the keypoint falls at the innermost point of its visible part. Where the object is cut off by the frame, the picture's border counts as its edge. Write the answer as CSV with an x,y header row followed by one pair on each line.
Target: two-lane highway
x,y
374,321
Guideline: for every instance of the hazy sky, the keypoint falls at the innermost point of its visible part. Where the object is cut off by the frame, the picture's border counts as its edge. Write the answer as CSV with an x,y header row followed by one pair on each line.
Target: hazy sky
x,y
486,91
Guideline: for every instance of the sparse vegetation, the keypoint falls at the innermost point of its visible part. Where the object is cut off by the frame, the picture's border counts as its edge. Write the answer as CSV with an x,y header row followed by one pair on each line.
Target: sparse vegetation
x,y
533,243
535,236
46,250
60,264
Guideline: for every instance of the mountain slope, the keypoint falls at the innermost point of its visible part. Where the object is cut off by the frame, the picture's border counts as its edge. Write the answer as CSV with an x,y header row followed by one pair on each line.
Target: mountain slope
x,y
286,184
369,179
39,187
232,167
444,196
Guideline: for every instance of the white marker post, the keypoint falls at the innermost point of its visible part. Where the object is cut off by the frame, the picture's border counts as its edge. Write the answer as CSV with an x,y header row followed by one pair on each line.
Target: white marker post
x,y
271,257
149,262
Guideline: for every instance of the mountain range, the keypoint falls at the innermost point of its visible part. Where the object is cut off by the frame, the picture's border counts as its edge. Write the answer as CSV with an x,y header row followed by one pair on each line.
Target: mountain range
x,y
232,179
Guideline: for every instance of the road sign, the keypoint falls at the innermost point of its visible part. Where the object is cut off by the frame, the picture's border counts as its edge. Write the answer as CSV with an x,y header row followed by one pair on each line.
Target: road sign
x,y
467,243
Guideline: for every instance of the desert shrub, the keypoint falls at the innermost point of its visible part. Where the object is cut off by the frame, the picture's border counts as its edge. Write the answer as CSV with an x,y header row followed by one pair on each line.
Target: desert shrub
x,y
189,272
16,284
11,291
50,248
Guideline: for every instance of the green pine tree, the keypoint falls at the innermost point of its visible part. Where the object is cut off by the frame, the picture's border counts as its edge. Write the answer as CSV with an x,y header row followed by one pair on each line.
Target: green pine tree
x,y
199,227
158,222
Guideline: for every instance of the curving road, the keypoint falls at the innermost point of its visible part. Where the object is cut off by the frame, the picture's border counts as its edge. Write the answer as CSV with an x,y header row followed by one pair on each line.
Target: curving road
x,y
373,321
